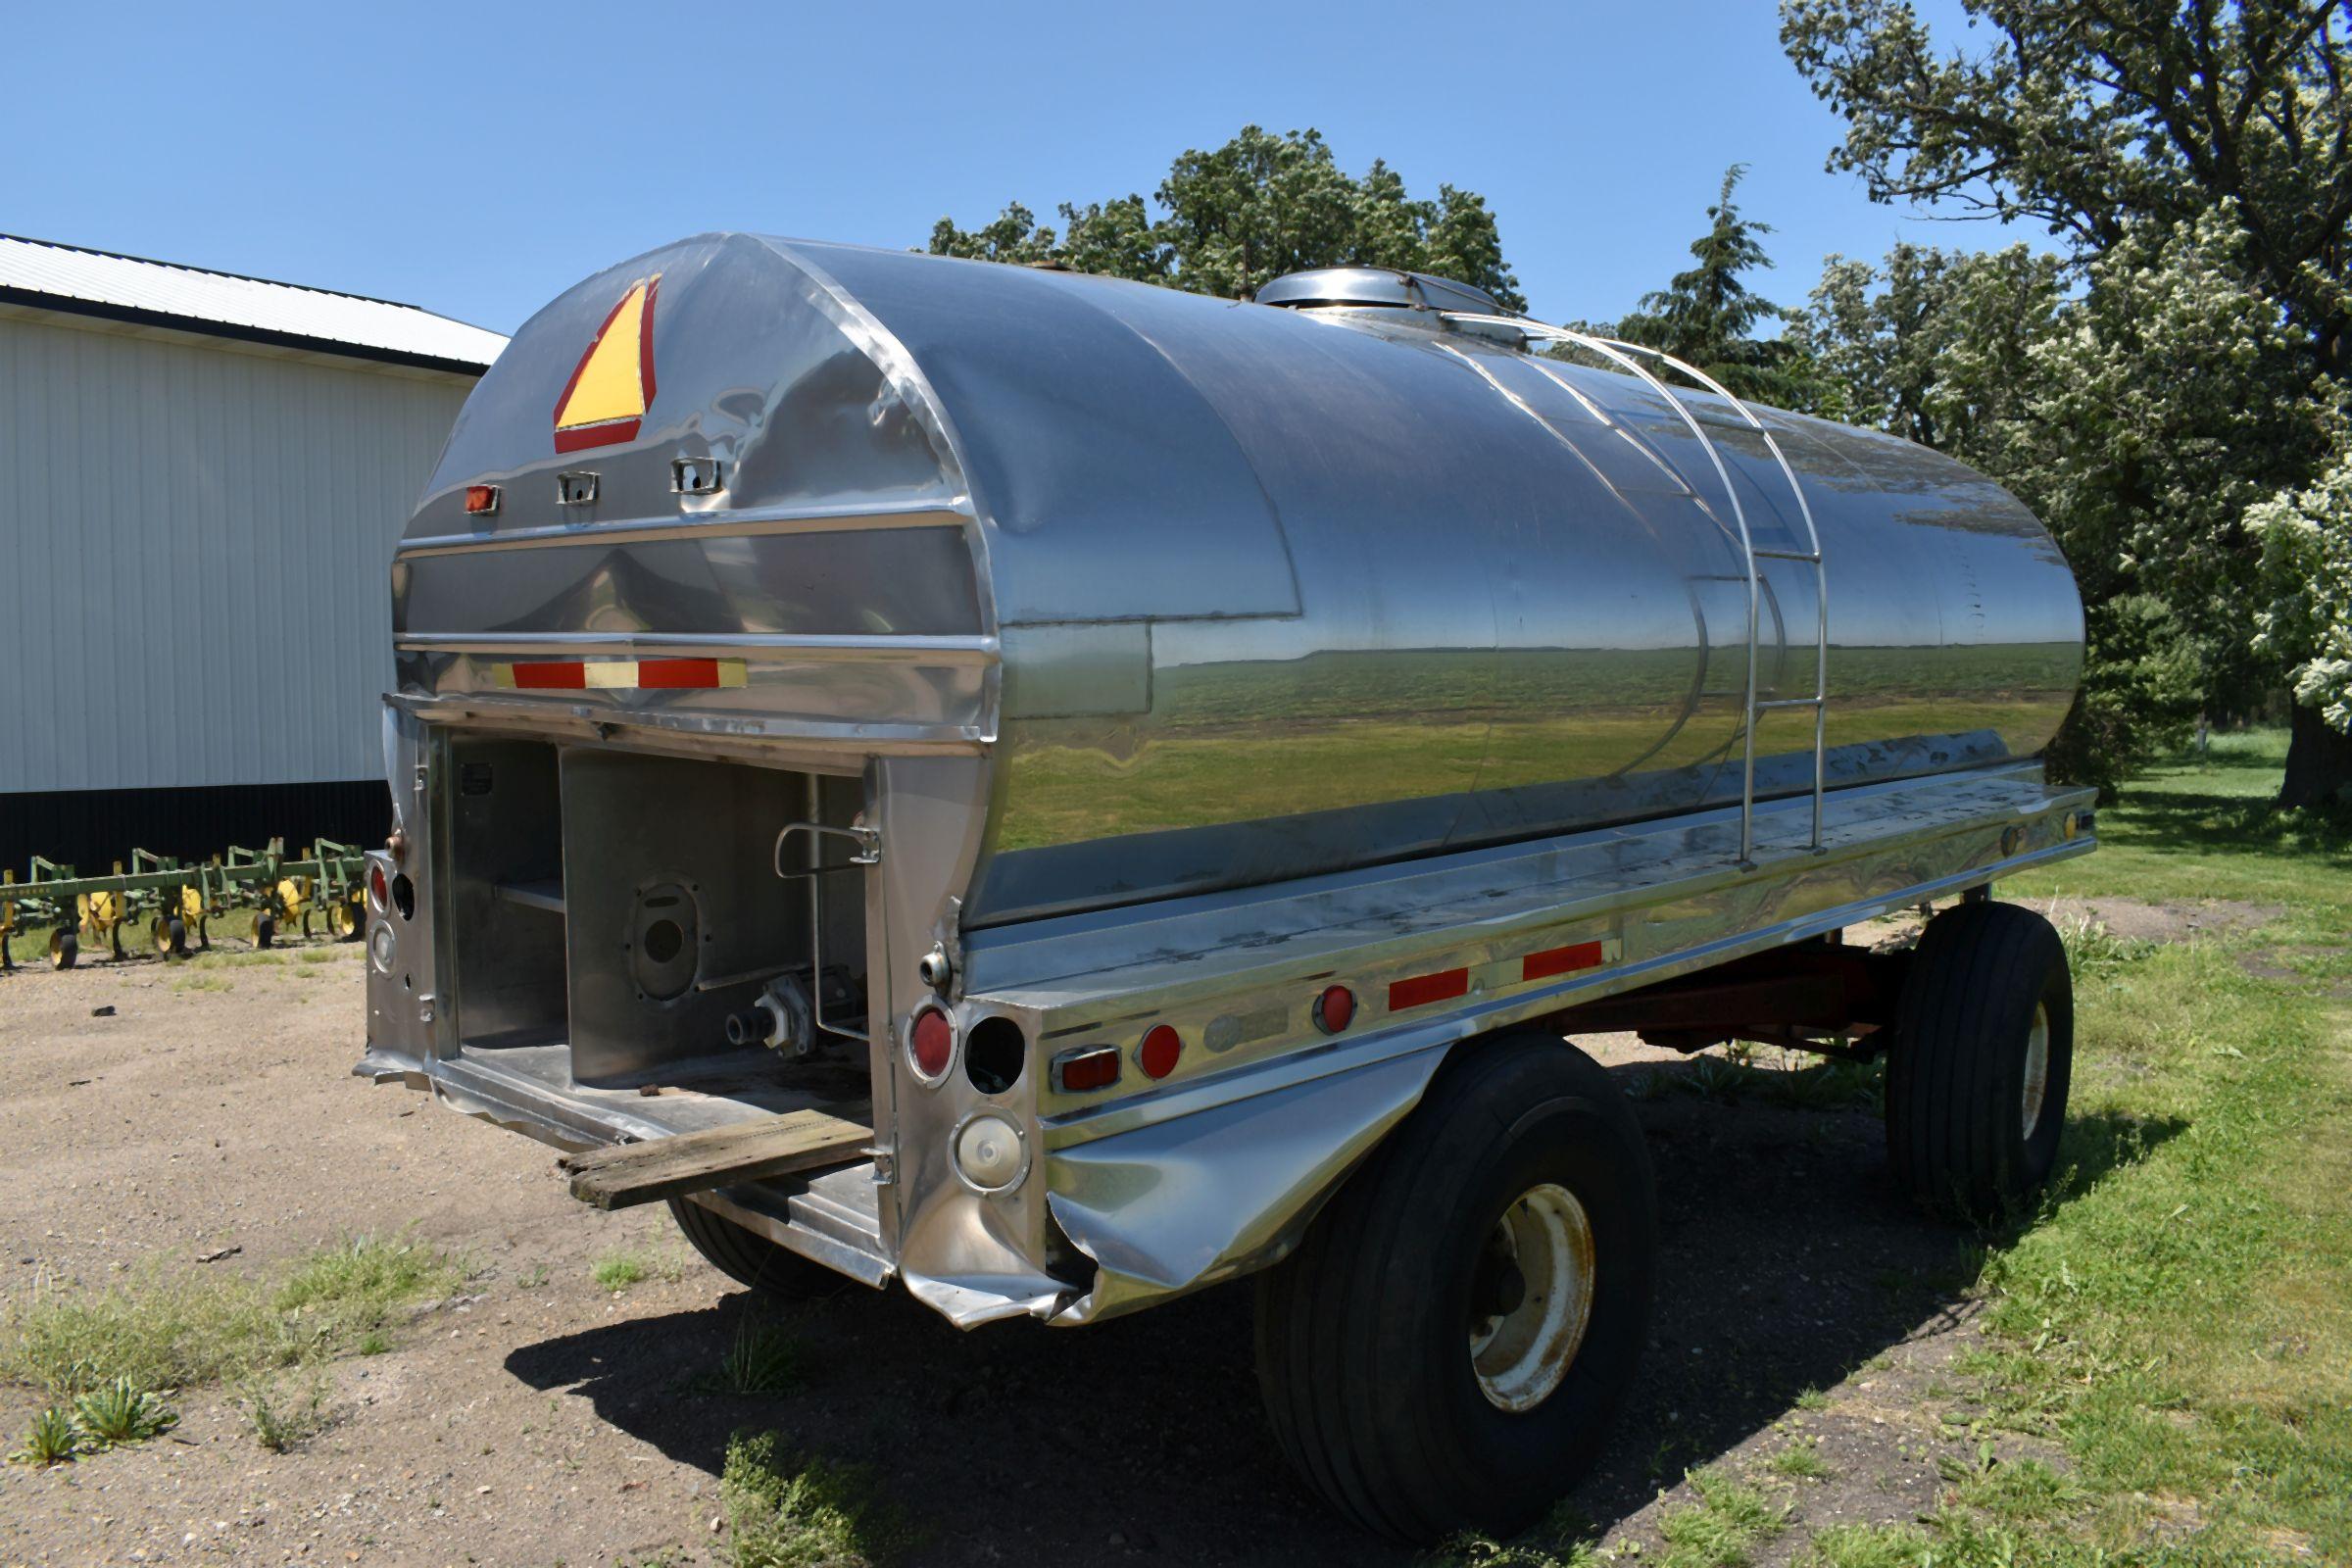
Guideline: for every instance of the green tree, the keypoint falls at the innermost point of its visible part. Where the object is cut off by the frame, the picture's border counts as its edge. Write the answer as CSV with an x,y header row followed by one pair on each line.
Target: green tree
x,y
1231,218
1707,315
2307,567
2194,159
1936,345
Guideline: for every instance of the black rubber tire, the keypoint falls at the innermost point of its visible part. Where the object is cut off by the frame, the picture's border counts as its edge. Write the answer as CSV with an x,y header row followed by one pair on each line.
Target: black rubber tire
x,y
1956,1075
176,938
264,930
65,950
1363,1350
751,1259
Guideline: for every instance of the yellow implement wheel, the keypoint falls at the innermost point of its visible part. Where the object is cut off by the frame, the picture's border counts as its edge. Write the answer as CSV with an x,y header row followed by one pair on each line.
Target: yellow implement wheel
x,y
63,948
100,912
342,921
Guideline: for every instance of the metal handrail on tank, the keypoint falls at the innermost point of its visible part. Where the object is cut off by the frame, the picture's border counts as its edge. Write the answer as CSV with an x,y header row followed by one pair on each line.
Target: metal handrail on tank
x,y
1617,352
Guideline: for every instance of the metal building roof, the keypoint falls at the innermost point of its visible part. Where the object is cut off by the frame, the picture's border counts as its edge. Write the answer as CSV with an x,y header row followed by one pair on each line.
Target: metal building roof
x,y
129,289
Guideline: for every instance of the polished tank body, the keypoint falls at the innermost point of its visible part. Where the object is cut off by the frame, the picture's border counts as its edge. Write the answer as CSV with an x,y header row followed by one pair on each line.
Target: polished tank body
x,y
1210,593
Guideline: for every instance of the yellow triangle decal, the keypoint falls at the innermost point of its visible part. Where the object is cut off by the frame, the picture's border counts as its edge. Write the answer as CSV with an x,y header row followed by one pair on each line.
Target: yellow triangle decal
x,y
610,384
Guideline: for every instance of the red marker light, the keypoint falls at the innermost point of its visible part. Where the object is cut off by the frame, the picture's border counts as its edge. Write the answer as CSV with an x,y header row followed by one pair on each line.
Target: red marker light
x,y
481,499
1335,1010
1085,1070
931,1042
379,890
1160,1050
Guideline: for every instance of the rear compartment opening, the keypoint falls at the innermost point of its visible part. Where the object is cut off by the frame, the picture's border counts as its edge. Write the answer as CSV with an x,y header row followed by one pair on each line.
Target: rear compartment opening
x,y
618,921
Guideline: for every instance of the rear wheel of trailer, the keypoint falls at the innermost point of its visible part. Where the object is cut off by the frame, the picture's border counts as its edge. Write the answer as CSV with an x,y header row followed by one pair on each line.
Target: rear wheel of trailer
x,y
1984,1049
750,1259
1448,1345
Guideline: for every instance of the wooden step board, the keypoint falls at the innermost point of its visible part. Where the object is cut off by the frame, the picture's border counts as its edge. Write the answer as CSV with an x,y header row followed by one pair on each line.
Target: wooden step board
x,y
658,1169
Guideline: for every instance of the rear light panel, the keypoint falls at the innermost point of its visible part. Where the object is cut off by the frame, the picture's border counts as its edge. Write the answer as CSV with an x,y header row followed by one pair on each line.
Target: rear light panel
x,y
481,500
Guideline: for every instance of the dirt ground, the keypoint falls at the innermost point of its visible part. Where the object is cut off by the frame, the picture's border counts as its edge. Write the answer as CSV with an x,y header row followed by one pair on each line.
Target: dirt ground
x,y
540,1419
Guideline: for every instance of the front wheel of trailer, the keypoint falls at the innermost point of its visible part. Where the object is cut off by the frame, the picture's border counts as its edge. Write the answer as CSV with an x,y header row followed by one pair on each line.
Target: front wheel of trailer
x,y
1984,1049
1450,1343
750,1259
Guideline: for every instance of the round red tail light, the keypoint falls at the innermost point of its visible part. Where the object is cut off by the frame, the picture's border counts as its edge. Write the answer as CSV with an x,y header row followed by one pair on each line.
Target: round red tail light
x,y
378,889
1335,1010
1161,1049
931,1042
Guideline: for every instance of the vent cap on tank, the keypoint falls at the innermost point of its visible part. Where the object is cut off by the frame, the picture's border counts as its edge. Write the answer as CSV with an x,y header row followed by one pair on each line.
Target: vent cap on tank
x,y
1377,286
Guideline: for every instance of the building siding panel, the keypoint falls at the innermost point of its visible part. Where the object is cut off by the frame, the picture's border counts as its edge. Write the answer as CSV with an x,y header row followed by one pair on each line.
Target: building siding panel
x,y
193,548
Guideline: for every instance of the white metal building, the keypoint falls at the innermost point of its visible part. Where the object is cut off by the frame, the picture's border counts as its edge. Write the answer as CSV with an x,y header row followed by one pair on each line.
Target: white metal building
x,y
202,477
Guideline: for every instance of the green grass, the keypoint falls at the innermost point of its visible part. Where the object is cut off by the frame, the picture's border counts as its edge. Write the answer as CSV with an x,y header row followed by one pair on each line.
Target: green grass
x,y
617,1271
627,1266
1801,1461
282,1416
51,1440
765,1357
1729,1520
120,1411
1869,1547
801,1511
177,1328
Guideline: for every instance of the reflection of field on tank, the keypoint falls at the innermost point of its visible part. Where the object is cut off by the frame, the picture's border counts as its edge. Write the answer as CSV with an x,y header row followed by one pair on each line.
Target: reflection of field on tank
x,y
1236,743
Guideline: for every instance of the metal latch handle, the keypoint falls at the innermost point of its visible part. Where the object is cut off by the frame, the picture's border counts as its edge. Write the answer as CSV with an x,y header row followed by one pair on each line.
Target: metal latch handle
x,y
867,839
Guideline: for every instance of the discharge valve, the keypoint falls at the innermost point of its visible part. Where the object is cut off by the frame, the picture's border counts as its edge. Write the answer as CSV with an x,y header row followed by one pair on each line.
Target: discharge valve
x,y
780,1019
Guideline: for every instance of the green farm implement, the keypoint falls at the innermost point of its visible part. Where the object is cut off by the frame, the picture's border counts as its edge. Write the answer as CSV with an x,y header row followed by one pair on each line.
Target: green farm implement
x,y
173,901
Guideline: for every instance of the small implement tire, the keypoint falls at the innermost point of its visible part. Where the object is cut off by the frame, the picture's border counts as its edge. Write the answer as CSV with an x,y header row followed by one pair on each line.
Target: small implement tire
x,y
264,930
1448,1345
1984,1051
65,950
751,1259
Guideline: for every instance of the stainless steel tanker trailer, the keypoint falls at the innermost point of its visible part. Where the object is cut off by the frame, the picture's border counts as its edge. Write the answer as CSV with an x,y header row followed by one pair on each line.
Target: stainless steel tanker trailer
x,y
1059,793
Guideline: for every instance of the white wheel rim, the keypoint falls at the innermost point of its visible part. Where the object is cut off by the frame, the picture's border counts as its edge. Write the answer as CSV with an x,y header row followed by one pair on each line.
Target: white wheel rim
x,y
1522,1346
2037,1069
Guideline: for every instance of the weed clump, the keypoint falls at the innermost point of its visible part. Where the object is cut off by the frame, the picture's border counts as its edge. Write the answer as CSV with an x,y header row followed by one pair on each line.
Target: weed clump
x,y
804,1511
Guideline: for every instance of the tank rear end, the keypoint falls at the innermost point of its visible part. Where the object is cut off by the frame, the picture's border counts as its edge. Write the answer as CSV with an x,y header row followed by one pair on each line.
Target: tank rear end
x,y
696,578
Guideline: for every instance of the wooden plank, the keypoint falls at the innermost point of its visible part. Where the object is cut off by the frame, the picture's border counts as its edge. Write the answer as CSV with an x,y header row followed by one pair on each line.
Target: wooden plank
x,y
627,1174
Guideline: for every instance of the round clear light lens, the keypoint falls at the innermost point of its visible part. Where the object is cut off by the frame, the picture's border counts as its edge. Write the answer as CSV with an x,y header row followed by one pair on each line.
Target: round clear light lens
x,y
989,1152
384,947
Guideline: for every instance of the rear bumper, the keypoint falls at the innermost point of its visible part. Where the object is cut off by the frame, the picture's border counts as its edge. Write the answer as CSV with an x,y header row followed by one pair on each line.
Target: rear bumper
x,y
830,1216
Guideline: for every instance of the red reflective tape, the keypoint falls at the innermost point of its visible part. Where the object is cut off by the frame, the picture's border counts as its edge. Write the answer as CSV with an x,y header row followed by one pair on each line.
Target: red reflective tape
x,y
1424,989
677,674
645,339
563,677
580,437
1561,960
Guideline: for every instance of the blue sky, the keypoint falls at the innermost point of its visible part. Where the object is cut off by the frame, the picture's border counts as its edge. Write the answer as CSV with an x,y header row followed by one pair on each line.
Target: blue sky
x,y
478,159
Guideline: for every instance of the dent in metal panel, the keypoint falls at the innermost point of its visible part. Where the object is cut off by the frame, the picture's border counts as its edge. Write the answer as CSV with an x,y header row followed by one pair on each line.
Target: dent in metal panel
x,y
1186,1202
